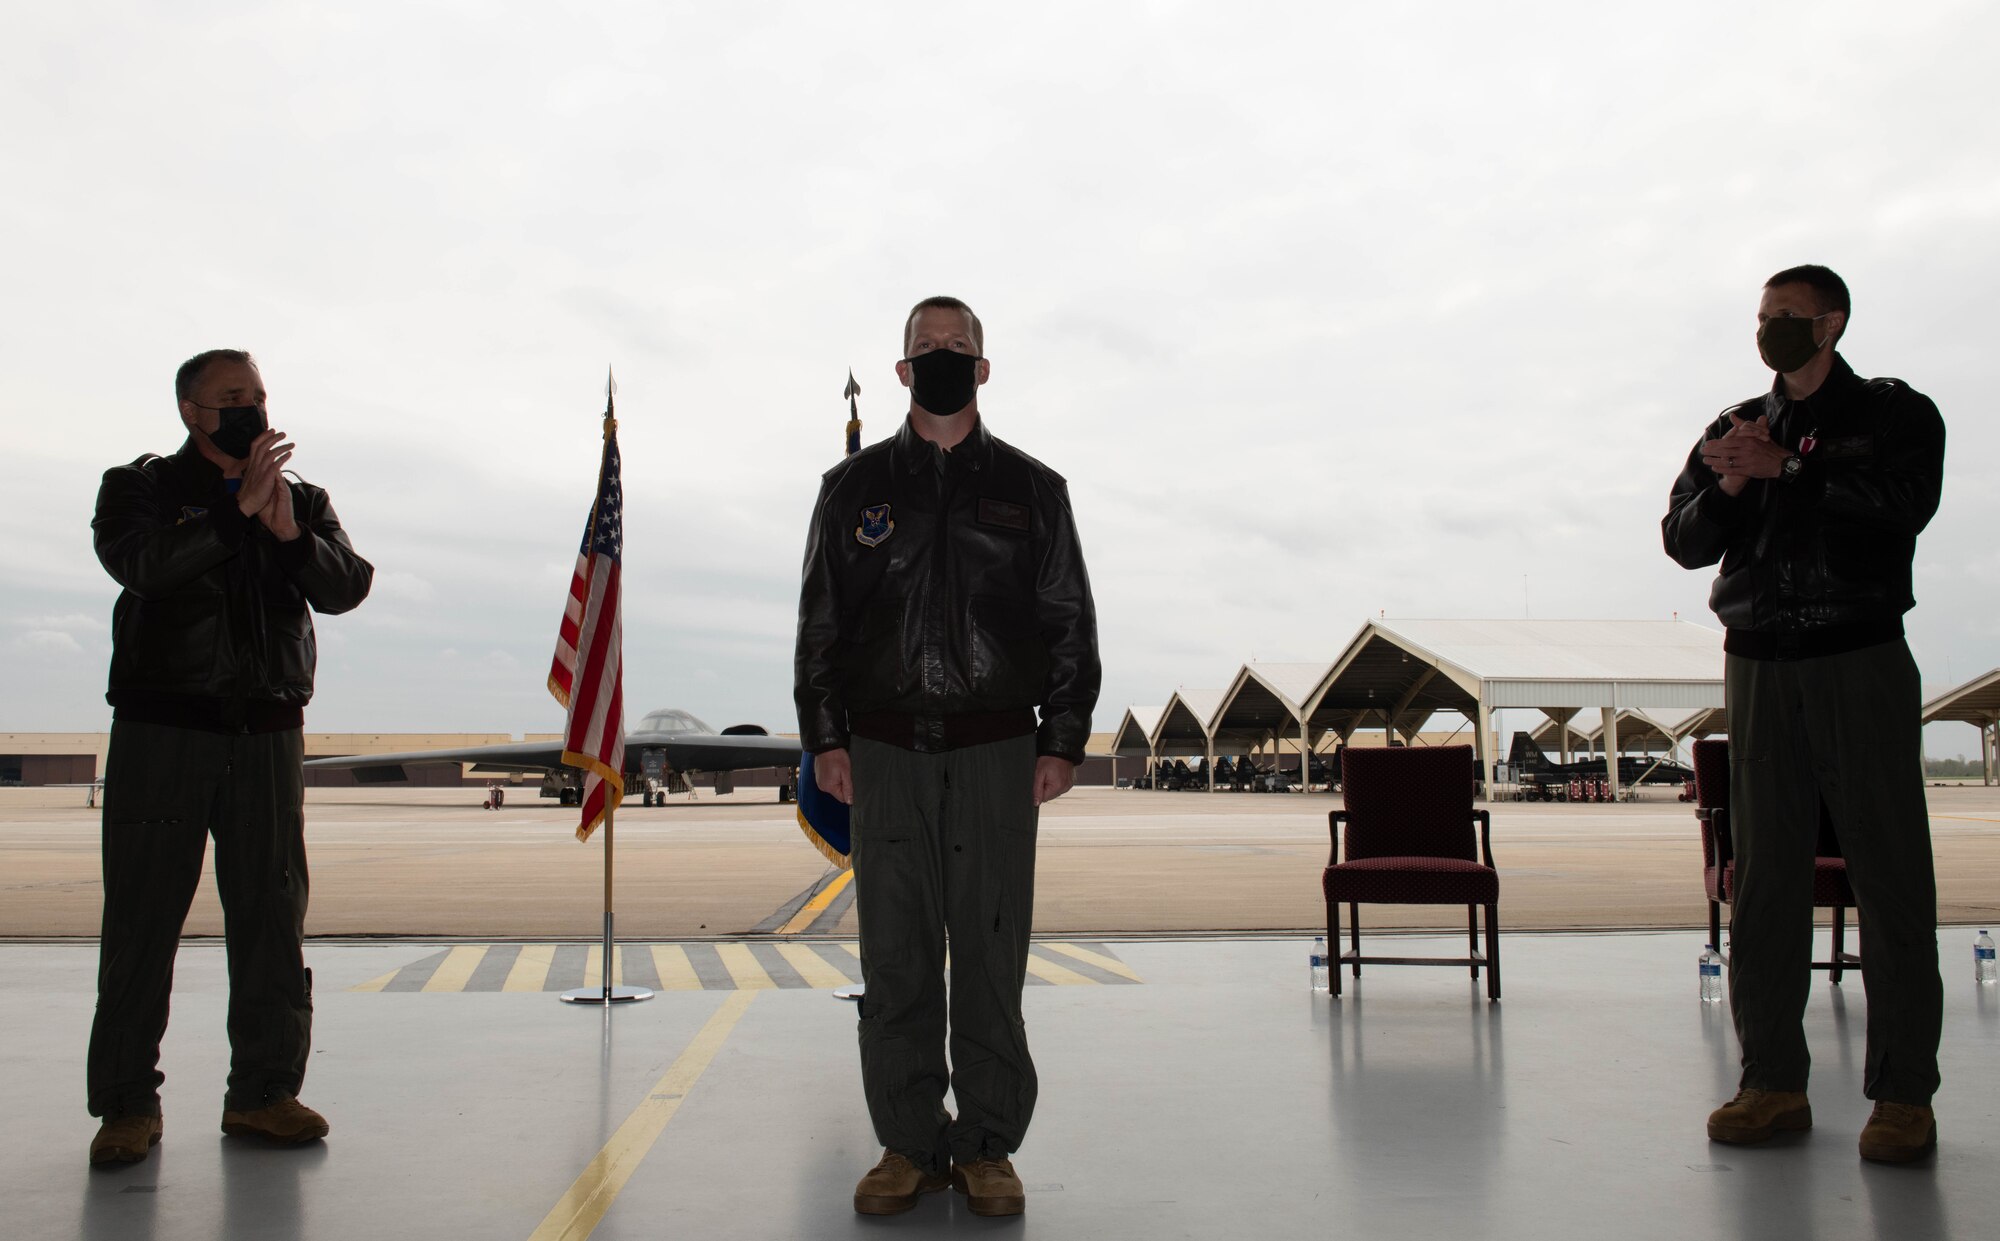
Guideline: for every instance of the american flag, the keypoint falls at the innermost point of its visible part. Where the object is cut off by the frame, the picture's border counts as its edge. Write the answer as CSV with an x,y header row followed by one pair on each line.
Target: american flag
x,y
588,674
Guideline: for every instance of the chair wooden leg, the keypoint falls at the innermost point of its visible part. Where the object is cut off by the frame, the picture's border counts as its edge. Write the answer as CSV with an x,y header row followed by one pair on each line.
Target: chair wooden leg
x,y
1333,946
1472,935
1493,952
1839,944
1354,917
1715,925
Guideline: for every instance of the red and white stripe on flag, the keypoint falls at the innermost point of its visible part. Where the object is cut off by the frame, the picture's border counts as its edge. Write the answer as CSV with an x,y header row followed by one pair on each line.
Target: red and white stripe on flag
x,y
587,675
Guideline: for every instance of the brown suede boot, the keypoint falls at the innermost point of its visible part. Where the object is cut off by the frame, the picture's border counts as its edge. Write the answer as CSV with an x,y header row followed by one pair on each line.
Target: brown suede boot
x,y
894,1185
1754,1115
1898,1133
990,1187
286,1121
128,1139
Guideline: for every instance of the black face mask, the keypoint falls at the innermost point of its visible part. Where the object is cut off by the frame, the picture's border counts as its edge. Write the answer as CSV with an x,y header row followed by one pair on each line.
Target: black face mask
x,y
1786,343
942,381
235,427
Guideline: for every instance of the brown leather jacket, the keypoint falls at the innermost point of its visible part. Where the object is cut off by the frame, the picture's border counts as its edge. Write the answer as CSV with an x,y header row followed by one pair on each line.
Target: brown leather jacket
x,y
1818,562
213,616
941,587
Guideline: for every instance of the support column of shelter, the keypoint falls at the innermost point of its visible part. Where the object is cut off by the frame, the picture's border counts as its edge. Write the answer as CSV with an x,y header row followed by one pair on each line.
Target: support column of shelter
x,y
1482,744
1611,751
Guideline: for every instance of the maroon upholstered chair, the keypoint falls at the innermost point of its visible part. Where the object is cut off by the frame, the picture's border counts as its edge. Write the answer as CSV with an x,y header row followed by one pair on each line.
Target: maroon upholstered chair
x,y
1718,858
1410,841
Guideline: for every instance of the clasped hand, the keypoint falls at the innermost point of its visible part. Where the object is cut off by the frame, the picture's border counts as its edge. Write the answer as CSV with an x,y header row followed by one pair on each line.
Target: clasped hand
x,y
264,493
1744,452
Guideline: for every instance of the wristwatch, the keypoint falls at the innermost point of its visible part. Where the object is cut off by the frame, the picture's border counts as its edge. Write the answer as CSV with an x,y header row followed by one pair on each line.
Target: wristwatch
x,y
1789,468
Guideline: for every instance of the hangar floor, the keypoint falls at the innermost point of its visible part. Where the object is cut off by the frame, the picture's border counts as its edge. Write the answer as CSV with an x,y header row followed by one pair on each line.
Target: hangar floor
x,y
1213,1097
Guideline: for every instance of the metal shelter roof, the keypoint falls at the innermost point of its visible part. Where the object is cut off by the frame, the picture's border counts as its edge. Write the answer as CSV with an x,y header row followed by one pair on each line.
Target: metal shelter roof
x,y
1266,699
1183,726
1402,671
1975,702
1639,729
1135,732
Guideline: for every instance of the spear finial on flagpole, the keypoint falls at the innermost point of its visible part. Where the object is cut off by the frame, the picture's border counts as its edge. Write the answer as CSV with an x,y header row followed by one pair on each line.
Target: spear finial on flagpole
x,y
851,391
610,406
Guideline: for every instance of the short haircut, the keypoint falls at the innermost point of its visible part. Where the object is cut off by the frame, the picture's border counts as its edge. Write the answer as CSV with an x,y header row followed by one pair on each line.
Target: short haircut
x,y
191,370
1829,290
944,303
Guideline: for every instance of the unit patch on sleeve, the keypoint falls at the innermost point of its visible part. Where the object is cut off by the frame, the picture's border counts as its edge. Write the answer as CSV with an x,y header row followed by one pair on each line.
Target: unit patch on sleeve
x,y
1003,513
875,526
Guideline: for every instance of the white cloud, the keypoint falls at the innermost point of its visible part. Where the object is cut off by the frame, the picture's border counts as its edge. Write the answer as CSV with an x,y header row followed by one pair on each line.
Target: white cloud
x,y
46,642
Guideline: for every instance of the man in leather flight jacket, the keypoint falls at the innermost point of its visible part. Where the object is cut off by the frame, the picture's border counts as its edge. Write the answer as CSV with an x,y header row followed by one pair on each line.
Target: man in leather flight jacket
x,y
1812,497
220,557
946,671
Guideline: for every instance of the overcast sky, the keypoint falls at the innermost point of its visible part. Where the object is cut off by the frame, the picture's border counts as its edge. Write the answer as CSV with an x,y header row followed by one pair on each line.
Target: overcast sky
x,y
1324,310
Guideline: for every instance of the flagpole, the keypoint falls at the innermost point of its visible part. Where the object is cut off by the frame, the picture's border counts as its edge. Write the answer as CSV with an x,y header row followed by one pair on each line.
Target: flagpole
x,y
610,937
852,991
606,993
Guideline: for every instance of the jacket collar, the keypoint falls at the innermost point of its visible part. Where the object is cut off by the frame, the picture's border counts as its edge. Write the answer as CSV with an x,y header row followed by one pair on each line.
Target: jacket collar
x,y
1840,387
199,470
912,452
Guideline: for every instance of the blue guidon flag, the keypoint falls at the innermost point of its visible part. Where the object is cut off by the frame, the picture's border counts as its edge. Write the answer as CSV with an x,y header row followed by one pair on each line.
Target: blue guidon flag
x,y
821,818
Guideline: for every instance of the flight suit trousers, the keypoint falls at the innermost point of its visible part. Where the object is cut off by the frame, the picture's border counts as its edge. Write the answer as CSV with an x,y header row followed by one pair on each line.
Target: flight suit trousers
x,y
1843,728
166,790
944,845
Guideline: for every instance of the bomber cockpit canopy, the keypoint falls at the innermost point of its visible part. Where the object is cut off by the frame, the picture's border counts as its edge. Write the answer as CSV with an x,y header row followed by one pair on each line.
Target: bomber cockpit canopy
x,y
671,721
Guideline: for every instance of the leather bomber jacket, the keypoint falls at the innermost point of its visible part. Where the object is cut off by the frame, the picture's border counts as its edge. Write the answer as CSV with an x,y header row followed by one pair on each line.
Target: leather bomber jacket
x,y
213,614
1830,549
945,584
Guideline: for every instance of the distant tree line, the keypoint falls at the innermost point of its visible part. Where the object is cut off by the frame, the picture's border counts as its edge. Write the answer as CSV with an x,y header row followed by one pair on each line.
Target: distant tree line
x,y
1948,767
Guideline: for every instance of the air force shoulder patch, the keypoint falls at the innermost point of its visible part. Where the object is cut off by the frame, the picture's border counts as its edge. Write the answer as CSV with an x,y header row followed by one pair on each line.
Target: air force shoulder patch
x,y
875,526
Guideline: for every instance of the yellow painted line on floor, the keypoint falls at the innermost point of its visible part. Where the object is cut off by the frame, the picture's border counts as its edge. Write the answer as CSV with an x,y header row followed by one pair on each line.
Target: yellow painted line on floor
x,y
1049,971
742,966
811,966
593,968
1966,818
676,971
531,968
376,984
456,969
1110,964
817,905
579,1211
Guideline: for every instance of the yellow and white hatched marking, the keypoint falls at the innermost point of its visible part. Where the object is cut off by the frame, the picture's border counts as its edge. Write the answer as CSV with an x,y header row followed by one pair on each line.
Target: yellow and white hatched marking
x,y
756,966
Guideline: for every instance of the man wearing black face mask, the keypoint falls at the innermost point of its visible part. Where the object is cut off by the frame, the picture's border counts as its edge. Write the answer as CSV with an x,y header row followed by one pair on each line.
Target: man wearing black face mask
x,y
219,556
946,670
1812,497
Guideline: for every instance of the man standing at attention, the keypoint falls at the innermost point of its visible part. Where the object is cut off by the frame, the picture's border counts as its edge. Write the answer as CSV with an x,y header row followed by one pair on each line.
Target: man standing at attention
x,y
944,608
1812,497
212,661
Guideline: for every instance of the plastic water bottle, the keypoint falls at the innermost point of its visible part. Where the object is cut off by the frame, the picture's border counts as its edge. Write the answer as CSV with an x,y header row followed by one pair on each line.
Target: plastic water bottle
x,y
1711,975
1984,968
1319,979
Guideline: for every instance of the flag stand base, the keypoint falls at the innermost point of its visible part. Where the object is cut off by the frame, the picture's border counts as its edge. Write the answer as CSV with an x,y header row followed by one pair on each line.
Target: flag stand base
x,y
603,993
598,995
